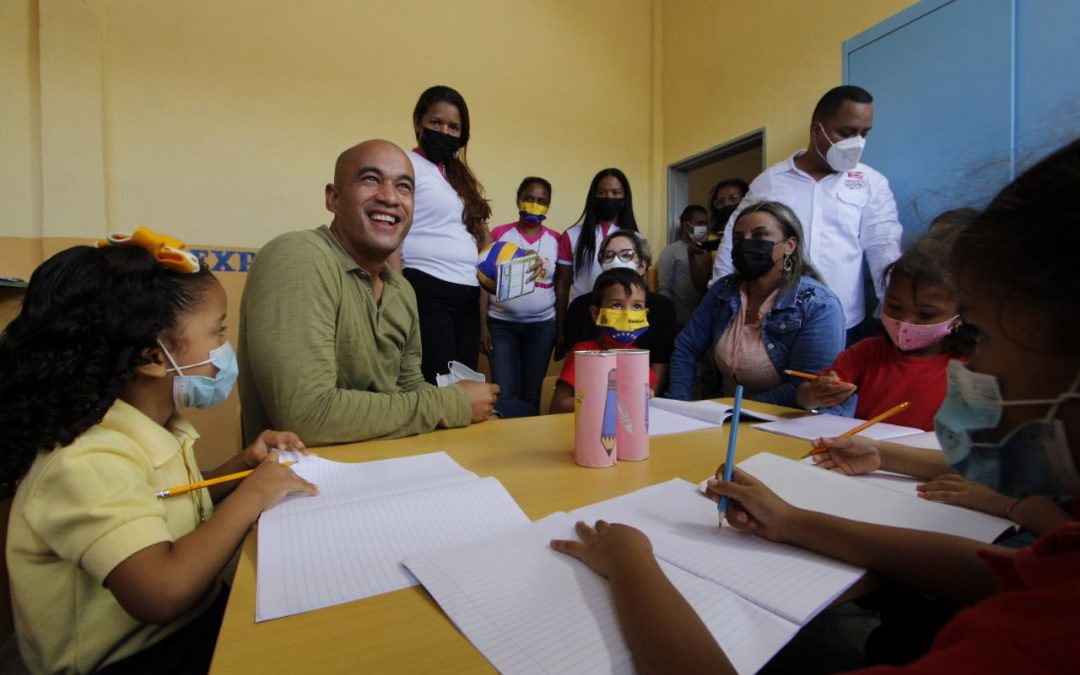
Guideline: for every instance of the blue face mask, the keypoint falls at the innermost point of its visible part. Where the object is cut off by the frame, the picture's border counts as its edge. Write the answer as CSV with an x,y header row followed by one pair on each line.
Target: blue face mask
x,y
199,391
1032,459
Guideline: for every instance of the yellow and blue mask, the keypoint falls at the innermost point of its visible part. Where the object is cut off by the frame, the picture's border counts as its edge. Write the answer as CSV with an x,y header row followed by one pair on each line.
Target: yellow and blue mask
x,y
532,212
624,326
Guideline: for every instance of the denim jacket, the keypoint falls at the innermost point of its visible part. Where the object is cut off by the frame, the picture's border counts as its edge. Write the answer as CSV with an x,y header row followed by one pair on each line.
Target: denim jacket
x,y
804,331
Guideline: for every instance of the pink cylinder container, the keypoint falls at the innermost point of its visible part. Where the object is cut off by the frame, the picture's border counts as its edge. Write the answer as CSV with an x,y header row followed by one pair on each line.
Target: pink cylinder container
x,y
632,434
595,408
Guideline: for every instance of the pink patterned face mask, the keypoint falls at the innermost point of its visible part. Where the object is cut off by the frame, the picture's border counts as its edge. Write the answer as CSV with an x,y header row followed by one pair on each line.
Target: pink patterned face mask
x,y
912,336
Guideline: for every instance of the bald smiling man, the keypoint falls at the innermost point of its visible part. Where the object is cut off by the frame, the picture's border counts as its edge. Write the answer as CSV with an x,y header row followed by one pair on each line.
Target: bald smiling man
x,y
329,336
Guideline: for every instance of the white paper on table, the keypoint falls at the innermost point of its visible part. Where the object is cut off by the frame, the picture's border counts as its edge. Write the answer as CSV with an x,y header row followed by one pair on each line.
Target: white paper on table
x,y
348,542
529,609
788,581
856,498
669,416
814,426
926,440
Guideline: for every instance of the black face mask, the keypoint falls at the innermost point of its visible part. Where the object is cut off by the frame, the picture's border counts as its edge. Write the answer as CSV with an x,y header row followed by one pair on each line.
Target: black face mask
x,y
438,146
752,258
606,208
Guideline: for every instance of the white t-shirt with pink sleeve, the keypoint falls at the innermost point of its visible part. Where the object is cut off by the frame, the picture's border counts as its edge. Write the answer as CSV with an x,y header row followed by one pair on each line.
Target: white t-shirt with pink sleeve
x,y
583,280
438,242
540,304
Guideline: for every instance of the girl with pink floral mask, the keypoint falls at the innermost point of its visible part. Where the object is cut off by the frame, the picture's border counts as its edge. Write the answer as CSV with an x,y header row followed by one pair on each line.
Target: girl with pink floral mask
x,y
908,363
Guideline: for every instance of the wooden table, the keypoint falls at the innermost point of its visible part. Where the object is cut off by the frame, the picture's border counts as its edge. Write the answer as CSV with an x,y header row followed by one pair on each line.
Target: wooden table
x,y
404,631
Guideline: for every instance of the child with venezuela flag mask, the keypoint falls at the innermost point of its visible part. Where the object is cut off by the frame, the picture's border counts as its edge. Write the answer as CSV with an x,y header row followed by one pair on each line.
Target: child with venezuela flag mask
x,y
619,312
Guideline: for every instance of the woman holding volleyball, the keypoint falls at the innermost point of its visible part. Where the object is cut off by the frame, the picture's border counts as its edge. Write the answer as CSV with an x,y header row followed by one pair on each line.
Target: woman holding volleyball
x,y
518,334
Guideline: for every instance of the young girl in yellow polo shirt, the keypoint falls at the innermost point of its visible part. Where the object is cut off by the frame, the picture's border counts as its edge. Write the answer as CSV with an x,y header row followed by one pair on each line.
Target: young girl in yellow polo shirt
x,y
106,576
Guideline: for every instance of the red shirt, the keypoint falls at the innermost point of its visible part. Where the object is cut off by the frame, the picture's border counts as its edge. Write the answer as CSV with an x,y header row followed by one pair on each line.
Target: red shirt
x,y
601,344
1031,626
887,376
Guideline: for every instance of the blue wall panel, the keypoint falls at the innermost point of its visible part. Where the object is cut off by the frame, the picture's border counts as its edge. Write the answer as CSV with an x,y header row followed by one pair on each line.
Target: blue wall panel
x,y
940,74
1047,77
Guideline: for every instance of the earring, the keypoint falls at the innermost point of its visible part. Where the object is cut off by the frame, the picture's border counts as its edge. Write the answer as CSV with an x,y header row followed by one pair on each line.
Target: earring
x,y
788,264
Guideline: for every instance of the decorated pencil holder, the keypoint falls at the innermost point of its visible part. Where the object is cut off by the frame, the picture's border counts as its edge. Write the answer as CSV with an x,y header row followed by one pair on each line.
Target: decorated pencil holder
x,y
595,408
632,432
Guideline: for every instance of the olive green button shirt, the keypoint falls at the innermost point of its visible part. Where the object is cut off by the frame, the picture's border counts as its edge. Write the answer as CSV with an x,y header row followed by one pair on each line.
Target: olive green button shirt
x,y
320,357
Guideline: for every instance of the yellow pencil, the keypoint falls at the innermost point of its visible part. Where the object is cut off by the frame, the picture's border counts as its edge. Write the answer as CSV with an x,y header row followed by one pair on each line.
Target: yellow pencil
x,y
181,489
803,375
817,450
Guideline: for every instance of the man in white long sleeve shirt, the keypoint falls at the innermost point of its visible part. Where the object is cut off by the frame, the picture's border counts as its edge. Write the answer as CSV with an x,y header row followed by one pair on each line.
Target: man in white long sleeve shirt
x,y
846,208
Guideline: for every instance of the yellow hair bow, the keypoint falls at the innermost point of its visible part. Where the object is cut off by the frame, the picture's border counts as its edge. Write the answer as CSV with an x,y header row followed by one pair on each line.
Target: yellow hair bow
x,y
169,251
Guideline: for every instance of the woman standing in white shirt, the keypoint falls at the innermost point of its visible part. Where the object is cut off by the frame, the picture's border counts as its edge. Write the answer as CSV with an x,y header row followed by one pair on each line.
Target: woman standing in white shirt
x,y
449,227
609,206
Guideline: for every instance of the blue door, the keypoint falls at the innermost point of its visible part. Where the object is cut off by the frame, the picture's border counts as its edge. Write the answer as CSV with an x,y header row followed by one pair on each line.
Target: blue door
x,y
966,93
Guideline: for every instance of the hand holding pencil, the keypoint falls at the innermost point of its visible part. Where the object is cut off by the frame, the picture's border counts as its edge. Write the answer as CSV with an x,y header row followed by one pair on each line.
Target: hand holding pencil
x,y
821,445
821,391
271,481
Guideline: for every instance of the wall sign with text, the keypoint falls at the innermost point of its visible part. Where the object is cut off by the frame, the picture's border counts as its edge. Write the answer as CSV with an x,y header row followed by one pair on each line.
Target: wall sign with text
x,y
224,260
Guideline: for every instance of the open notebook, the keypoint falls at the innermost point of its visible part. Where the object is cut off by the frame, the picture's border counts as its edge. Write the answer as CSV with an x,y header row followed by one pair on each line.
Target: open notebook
x,y
814,426
855,498
668,416
348,542
880,497
529,609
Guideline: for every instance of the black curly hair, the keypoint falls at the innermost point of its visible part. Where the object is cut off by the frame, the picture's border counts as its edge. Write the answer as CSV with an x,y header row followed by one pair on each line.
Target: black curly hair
x,y
88,316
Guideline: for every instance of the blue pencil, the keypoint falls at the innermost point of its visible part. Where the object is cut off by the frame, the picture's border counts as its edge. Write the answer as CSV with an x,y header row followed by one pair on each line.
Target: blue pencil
x,y
729,463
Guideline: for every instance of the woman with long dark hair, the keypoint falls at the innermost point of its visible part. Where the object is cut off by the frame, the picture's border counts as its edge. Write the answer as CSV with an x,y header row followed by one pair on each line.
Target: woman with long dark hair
x,y
450,226
609,206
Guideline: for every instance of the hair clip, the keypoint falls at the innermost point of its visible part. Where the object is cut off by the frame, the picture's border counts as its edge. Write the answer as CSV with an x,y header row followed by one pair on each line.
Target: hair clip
x,y
169,251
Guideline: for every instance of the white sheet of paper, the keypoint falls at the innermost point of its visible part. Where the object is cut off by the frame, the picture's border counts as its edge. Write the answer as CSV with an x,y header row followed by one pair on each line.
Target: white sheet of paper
x,y
529,609
668,416
791,582
813,426
927,440
663,422
857,498
348,543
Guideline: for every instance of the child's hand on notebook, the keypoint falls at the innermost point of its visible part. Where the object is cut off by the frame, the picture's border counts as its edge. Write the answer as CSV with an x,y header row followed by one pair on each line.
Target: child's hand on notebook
x,y
272,481
852,455
751,505
605,547
952,488
254,454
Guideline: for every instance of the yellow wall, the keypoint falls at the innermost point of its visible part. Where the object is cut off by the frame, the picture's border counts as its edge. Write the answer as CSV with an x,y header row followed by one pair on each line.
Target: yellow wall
x,y
730,67
219,121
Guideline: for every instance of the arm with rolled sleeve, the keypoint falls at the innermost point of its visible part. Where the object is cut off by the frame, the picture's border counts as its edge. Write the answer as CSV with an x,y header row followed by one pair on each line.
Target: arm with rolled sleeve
x,y
291,310
690,345
880,231
820,338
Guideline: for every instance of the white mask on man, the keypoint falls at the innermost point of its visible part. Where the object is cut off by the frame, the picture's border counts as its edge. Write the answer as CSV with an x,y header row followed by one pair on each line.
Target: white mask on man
x,y
843,155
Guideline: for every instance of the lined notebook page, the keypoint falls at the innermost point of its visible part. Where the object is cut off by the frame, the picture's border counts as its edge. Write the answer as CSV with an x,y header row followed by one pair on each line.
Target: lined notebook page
x,y
813,426
662,422
791,582
351,481
668,416
350,550
529,609
854,497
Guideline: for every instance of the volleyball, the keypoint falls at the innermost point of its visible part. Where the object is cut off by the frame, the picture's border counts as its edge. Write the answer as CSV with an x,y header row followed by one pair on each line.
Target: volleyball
x,y
487,270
